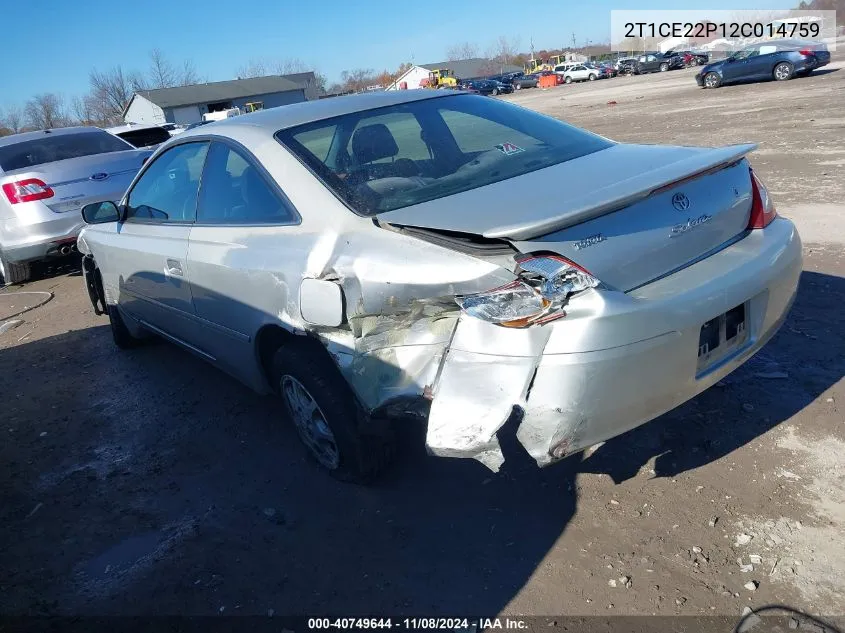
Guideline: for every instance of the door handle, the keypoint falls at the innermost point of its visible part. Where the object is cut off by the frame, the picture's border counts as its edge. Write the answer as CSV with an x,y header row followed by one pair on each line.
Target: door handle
x,y
173,267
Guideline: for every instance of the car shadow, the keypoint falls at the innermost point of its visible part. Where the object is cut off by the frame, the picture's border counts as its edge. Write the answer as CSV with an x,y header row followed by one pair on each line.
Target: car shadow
x,y
148,482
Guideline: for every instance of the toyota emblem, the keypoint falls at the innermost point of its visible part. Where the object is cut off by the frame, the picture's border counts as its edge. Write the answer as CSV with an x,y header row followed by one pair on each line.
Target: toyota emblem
x,y
680,202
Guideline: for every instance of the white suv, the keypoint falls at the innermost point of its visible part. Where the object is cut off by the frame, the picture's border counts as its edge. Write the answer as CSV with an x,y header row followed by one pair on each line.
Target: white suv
x,y
580,72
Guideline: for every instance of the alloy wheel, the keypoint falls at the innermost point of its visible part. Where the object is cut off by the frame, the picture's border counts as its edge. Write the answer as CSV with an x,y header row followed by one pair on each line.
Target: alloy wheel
x,y
310,422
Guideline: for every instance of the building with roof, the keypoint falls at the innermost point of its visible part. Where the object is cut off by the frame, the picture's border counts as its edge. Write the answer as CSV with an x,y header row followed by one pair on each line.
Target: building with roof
x,y
465,69
187,104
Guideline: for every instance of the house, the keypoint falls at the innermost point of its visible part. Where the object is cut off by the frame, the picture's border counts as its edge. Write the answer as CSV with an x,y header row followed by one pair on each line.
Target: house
x,y
673,42
187,104
573,56
464,69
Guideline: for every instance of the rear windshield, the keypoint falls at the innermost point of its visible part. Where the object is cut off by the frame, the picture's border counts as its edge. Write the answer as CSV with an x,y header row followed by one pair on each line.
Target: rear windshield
x,y
145,137
51,148
385,159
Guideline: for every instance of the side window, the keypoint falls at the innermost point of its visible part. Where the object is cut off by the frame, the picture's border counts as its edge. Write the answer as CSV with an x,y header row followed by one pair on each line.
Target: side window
x,y
234,191
318,141
767,50
167,191
642,59
387,138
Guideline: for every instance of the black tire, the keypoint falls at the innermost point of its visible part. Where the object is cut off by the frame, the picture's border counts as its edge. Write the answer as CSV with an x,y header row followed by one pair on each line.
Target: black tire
x,y
119,332
591,77
365,450
518,87
712,80
495,92
783,71
13,273
567,80
664,67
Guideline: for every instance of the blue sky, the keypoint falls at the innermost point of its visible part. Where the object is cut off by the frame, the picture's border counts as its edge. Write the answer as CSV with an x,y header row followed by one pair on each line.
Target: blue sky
x,y
59,43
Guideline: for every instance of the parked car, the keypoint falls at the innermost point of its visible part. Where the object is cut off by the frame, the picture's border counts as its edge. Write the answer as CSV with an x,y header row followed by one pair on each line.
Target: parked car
x,y
609,69
317,252
525,81
141,135
488,87
580,72
692,58
191,126
780,60
657,62
172,128
46,177
626,65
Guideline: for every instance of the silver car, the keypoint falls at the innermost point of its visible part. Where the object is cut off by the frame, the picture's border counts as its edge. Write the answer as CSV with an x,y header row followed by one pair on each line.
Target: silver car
x,y
45,179
441,256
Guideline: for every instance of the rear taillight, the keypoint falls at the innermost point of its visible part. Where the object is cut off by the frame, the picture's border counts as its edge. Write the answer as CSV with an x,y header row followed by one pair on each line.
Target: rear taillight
x,y
762,208
27,190
807,53
545,284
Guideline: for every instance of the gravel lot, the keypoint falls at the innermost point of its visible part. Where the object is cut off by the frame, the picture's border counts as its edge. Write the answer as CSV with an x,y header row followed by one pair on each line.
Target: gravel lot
x,y
148,482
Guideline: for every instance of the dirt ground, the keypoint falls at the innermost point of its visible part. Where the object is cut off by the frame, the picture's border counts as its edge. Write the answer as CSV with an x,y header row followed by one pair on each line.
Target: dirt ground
x,y
147,482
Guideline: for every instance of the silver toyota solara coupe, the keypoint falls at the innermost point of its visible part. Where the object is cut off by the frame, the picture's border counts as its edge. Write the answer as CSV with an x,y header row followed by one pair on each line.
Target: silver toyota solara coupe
x,y
446,257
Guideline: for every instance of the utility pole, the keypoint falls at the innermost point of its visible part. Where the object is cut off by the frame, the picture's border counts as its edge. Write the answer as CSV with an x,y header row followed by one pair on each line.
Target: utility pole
x,y
573,41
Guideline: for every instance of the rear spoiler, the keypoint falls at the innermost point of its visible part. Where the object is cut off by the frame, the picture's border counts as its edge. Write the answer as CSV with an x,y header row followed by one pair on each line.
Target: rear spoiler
x,y
624,193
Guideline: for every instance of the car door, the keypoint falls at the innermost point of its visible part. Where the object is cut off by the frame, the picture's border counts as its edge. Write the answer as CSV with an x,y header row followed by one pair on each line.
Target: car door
x,y
150,254
239,250
741,67
761,65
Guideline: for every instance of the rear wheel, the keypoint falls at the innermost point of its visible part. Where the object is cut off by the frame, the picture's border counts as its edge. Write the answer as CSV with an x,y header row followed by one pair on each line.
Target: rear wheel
x,y
13,273
495,92
712,80
567,80
326,415
518,87
664,67
592,77
783,71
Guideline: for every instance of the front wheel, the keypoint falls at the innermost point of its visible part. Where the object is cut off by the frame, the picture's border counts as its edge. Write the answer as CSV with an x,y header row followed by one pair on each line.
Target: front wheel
x,y
518,87
120,333
567,80
592,77
495,92
327,417
783,71
712,80
664,67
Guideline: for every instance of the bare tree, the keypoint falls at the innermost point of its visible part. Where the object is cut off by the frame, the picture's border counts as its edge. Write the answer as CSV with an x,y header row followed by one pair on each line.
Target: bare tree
x,y
290,66
506,49
358,79
45,111
189,74
13,118
112,89
464,50
83,109
321,82
161,70
253,68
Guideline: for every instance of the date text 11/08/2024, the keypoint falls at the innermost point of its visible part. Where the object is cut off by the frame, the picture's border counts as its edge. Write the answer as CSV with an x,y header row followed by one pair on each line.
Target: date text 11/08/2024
x,y
416,624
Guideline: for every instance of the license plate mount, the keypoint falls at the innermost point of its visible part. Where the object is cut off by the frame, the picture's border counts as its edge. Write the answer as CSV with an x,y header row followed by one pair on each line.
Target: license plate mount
x,y
722,336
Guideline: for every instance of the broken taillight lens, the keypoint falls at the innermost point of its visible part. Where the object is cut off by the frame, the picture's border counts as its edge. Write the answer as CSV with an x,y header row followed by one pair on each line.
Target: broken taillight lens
x,y
544,287
762,208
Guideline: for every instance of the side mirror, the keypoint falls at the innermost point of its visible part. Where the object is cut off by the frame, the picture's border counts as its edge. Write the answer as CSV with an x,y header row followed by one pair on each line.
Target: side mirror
x,y
100,213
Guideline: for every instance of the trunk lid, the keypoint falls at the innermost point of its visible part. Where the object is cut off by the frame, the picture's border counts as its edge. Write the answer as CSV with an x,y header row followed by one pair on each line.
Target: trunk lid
x,y
79,181
628,214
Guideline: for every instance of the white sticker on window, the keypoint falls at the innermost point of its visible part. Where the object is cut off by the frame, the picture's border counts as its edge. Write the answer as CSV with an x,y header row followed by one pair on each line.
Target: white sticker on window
x,y
508,148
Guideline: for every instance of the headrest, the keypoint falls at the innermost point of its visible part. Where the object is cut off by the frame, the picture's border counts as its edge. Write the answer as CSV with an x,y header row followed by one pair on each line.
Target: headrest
x,y
373,142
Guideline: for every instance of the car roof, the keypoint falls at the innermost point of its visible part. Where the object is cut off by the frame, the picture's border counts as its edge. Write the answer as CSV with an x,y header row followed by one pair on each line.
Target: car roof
x,y
22,137
117,129
309,111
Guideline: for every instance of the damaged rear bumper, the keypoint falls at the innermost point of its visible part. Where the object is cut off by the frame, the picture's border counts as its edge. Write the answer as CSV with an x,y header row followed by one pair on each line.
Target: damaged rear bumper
x,y
616,361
